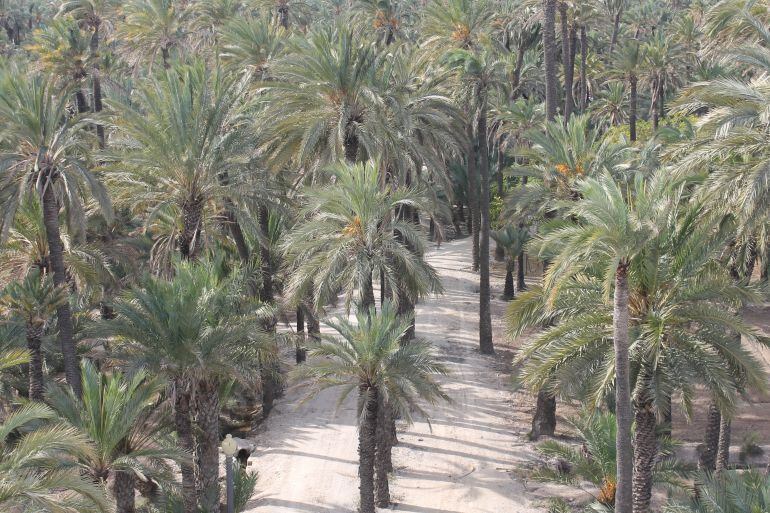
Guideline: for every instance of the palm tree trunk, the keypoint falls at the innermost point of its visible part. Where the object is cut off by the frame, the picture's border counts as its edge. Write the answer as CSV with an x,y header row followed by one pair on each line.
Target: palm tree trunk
x,y
520,283
36,379
189,239
80,101
367,447
583,65
406,308
473,196
383,462
544,419
567,33
283,16
633,80
63,313
166,57
500,166
623,408
645,453
207,442
707,458
267,272
723,451
615,30
485,310
97,83
508,291
123,491
549,50
184,432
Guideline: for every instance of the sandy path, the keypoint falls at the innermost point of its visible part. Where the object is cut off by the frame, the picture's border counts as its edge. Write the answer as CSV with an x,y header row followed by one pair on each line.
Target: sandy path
x,y
306,455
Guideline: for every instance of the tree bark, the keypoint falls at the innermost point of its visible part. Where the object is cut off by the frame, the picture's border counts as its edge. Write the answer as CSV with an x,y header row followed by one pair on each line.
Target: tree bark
x,y
615,30
485,310
56,252
633,81
473,196
544,419
520,283
267,272
183,425
123,491
500,166
97,83
568,37
189,239
707,458
583,66
508,290
549,50
383,462
367,446
645,453
723,450
36,378
207,442
623,408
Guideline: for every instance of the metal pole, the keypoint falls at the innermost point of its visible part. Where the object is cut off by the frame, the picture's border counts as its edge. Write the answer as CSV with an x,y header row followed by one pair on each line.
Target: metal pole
x,y
230,484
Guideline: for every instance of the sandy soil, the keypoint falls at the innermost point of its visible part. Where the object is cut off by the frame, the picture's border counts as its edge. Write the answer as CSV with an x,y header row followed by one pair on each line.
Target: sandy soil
x,y
306,453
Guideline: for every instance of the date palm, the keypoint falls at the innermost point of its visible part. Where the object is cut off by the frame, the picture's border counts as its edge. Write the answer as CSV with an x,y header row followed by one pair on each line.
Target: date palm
x,y
609,108
512,240
367,356
43,150
321,105
192,331
152,28
676,278
626,66
35,465
612,231
339,243
120,416
181,149
34,301
728,492
252,44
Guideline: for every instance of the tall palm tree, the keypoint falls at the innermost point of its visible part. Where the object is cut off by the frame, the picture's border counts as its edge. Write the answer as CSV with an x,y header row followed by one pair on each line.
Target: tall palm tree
x,y
339,244
607,226
94,15
34,300
42,150
626,66
368,356
192,331
118,415
35,466
609,108
251,44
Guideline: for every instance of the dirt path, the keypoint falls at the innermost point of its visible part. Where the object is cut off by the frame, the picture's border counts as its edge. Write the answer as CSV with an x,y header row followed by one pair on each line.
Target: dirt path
x,y
306,455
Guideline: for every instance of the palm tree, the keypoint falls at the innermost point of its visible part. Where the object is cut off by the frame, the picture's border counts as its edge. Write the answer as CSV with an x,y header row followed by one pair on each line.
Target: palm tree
x,y
151,28
339,243
34,300
626,66
42,150
35,465
251,44
181,148
512,240
119,416
609,108
368,356
728,492
93,14
676,279
608,226
595,460
191,330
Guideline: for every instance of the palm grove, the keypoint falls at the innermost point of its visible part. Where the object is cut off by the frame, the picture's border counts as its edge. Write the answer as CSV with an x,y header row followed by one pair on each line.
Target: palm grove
x,y
179,179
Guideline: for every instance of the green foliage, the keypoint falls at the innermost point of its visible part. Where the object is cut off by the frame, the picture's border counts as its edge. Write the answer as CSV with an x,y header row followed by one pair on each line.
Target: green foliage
x,y
245,484
728,492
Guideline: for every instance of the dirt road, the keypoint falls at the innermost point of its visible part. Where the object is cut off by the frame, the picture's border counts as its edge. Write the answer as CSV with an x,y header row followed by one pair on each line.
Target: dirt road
x,y
306,456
